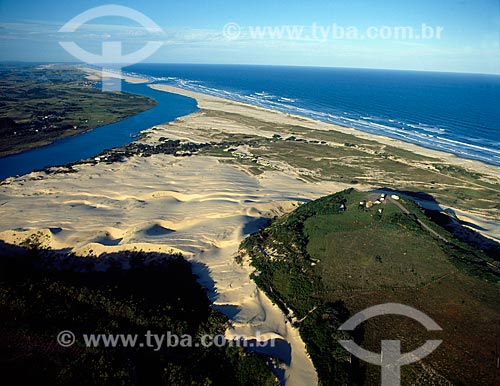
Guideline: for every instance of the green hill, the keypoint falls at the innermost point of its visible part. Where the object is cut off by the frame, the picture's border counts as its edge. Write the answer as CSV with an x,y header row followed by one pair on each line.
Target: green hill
x,y
340,254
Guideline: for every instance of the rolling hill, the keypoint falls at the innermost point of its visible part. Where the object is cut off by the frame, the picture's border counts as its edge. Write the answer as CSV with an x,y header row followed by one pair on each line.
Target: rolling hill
x,y
341,254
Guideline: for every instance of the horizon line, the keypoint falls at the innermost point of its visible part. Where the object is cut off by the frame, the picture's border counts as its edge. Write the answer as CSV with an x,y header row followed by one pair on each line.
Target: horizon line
x,y
267,65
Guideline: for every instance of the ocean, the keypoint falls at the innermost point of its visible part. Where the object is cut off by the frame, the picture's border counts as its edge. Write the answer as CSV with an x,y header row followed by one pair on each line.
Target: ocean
x,y
455,113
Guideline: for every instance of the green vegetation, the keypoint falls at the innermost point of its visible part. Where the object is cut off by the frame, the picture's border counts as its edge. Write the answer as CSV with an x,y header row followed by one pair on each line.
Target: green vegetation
x,y
42,104
331,155
333,257
42,293
372,165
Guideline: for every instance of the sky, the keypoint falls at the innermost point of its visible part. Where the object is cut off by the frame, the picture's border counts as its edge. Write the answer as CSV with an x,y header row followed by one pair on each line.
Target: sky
x,y
460,35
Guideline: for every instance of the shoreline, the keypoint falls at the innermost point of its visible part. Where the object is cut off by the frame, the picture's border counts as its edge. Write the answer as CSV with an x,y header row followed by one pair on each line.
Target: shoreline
x,y
97,75
204,101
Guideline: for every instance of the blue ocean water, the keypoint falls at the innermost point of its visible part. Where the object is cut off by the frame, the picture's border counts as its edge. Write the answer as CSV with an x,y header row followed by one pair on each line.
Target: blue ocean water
x,y
78,147
456,113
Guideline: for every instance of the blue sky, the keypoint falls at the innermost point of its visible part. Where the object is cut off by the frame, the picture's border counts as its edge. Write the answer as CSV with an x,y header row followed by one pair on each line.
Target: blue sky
x,y
194,32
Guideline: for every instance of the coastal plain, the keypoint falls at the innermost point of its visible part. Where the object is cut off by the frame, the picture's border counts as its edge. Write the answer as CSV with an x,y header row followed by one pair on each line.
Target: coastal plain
x,y
41,104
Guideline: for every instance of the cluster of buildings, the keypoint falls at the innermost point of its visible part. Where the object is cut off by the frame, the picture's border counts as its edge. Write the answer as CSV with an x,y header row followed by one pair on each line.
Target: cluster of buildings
x,y
382,199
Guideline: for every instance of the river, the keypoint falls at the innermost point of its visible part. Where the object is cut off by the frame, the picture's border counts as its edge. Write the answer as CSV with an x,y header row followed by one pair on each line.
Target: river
x,y
88,144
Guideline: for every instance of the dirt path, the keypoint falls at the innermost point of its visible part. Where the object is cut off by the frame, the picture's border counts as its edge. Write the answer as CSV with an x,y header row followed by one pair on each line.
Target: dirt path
x,y
422,224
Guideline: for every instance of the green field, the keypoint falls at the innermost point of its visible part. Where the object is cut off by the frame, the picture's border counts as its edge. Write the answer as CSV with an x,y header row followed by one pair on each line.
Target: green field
x,y
321,264
42,104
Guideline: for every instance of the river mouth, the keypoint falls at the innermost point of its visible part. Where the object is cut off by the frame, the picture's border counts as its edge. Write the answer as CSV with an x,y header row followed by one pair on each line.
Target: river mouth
x,y
86,145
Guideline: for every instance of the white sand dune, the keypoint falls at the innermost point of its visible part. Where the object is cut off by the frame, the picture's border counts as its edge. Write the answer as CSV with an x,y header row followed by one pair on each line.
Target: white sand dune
x,y
195,205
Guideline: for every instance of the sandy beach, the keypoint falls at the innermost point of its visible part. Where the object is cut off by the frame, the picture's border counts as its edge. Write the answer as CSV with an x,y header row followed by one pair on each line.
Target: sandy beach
x,y
214,103
97,75
205,205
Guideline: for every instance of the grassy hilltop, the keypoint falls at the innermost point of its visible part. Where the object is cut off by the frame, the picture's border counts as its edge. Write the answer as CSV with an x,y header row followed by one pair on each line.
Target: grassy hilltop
x,y
333,257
